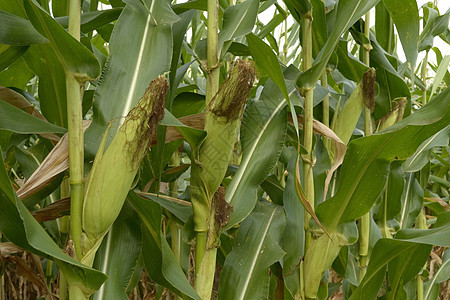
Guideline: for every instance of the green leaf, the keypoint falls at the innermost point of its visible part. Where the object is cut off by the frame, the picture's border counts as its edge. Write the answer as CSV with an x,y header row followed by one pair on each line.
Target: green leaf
x,y
440,73
384,28
405,15
187,103
319,26
267,60
179,208
176,75
92,20
404,261
298,8
412,201
269,27
395,187
348,12
74,57
439,235
263,131
293,236
367,161
52,84
139,51
18,31
238,20
246,268
418,160
193,136
17,75
160,262
16,120
434,26
118,254
403,269
19,227
9,54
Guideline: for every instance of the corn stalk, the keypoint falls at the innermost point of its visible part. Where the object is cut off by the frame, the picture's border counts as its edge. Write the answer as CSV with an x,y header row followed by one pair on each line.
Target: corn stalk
x,y
364,222
76,139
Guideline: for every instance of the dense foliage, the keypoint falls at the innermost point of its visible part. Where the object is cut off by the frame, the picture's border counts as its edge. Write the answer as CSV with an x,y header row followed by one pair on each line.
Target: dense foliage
x,y
200,150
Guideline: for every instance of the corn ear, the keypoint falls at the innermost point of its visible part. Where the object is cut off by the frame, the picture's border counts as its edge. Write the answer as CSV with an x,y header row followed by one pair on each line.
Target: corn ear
x,y
222,121
394,116
318,259
362,95
113,171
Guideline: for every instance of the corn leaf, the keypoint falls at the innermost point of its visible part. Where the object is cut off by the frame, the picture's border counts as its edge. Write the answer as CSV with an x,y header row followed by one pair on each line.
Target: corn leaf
x,y
262,135
127,73
92,20
52,84
438,235
9,54
367,161
74,56
246,267
17,224
405,15
348,12
403,259
16,120
18,31
293,237
118,255
159,259
238,20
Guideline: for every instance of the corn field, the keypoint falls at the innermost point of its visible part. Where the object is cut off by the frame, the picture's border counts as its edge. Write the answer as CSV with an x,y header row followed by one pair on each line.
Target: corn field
x,y
224,149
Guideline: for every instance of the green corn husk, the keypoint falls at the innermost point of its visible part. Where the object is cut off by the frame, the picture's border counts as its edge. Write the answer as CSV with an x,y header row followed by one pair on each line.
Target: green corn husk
x,y
113,172
362,95
222,121
394,116
318,259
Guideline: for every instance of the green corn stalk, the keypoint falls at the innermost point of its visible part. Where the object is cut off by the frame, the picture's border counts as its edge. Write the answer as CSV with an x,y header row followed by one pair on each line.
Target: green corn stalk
x,y
222,122
113,172
364,221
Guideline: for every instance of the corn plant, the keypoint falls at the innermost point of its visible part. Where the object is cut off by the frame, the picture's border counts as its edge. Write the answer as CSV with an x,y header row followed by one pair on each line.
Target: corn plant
x,y
224,149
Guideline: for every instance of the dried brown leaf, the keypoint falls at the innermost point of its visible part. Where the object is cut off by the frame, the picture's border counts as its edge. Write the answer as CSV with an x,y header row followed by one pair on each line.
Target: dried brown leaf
x,y
53,211
56,162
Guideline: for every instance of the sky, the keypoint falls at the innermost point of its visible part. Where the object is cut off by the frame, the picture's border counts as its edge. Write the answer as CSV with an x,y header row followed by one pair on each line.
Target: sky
x,y
443,6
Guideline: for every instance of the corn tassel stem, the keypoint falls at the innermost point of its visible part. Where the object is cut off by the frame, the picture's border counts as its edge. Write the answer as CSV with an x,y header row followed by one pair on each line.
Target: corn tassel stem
x,y
76,139
364,222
